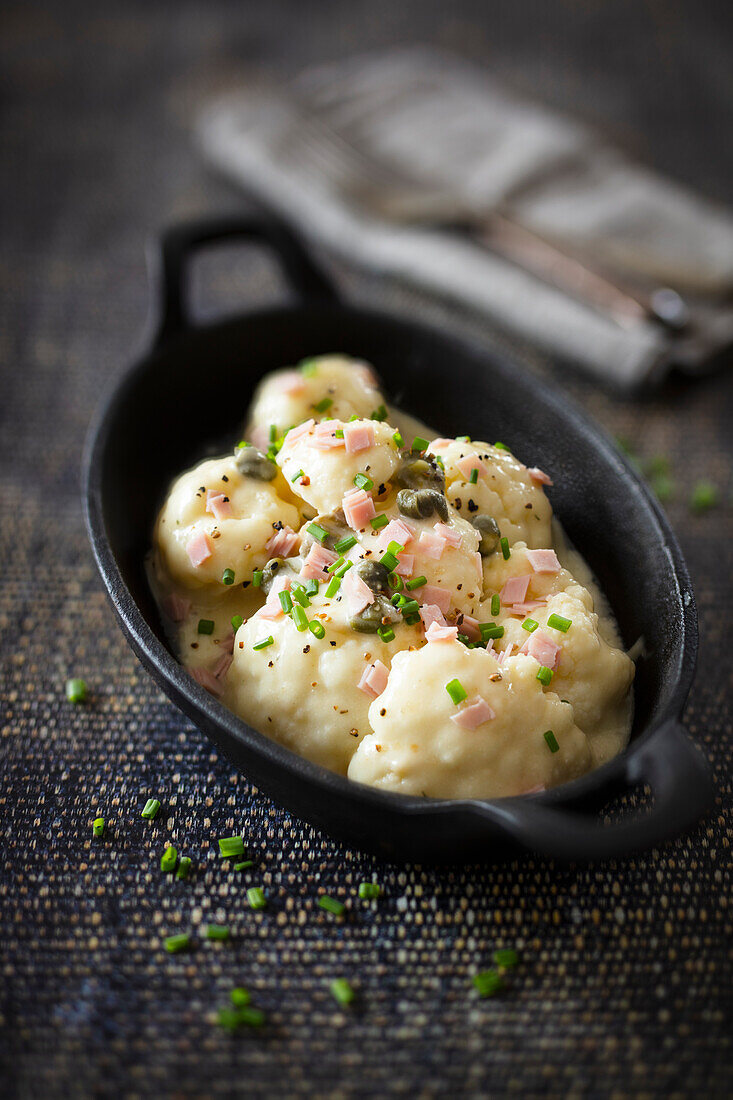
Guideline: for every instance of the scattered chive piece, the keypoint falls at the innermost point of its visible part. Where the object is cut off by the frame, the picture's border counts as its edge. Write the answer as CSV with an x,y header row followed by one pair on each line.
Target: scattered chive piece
x,y
369,890
341,991
551,741
184,867
363,482
231,846
308,367
463,439
179,942
217,932
98,826
397,600
319,533
243,443
379,521
227,576
465,639
473,477
333,586
410,607
488,982
301,595
501,446
257,578
559,622
419,444
324,404
237,621
311,587
256,897
389,561
76,690
530,625
394,580
345,544
339,433
354,416
412,619
169,859
399,441
244,865
386,633
495,604
395,547
233,1018
317,629
240,996
273,432
264,642
506,957
331,905
344,567
544,675
416,582
380,413
490,630
704,496
505,551
456,691
334,565
298,476
150,809
206,626
300,618
286,602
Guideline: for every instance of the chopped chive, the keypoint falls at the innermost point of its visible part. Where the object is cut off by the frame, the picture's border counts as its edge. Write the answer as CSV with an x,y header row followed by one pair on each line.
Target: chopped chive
x,y
317,629
206,626
179,942
286,602
456,691
505,551
507,957
379,521
263,643
559,622
473,476
419,444
495,604
354,416
217,932
339,433
169,859
464,638
237,621
530,625
704,496
551,740
308,367
273,432
416,582
98,826
331,905
257,578
386,633
150,809
243,443
231,846
76,690
397,437
397,600
298,476
410,607
344,567
501,446
319,533
394,580
227,577
341,991
300,618
345,544
240,996
324,404
184,867
544,675
335,565
311,587
488,982
490,630
395,547
413,619
244,865
380,413
301,596
333,586
389,561
369,890
256,897
363,482
463,439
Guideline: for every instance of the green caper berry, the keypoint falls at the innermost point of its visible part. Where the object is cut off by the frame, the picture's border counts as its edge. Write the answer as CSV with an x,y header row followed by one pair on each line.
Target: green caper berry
x,y
420,473
269,573
253,463
374,574
488,528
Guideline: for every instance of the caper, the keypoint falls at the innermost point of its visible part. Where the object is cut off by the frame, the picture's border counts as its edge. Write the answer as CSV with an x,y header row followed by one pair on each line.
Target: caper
x,y
421,503
488,528
374,574
253,463
334,523
420,473
373,616
269,573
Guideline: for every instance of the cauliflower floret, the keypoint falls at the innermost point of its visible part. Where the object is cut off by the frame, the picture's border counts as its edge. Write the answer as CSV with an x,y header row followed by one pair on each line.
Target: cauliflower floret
x,y
416,747
328,385
504,490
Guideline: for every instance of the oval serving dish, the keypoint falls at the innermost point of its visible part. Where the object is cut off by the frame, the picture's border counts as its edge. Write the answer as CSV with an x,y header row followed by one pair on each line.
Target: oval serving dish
x,y
190,393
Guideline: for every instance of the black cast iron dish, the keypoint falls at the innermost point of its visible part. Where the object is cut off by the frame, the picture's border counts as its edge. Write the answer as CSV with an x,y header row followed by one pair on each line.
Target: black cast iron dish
x,y
170,403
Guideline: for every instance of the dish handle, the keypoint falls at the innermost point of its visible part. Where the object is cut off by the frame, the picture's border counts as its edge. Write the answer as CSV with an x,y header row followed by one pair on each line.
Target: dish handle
x,y
179,243
681,786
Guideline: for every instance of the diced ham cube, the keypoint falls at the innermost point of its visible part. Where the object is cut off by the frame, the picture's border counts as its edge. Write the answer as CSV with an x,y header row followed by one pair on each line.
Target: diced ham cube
x,y
207,680
374,679
221,667
527,607
473,714
316,563
358,436
469,463
405,565
542,648
273,608
431,545
176,607
469,627
282,543
541,478
543,561
199,549
451,536
515,590
260,437
432,594
395,531
295,433
324,436
218,504
356,592
431,615
438,633
358,508
439,444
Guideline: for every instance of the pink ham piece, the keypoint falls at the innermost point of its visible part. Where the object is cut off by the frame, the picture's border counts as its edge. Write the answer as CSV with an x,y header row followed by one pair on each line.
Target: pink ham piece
x,y
297,433
221,667
324,436
291,382
431,615
451,536
431,545
543,561
440,444
469,627
260,438
405,565
316,563
541,478
358,436
227,644
207,680
273,608
358,508
479,567
374,679
431,594
438,633
515,590
218,504
395,531
356,592
281,544
469,463
542,648
527,607
176,607
199,549
473,714
505,654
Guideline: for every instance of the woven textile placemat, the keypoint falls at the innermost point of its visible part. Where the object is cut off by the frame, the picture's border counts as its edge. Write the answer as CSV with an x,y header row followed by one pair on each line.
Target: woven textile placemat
x,y
623,987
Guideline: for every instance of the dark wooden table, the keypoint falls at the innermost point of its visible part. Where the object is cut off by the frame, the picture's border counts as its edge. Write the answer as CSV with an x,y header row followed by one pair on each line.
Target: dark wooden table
x,y
625,980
